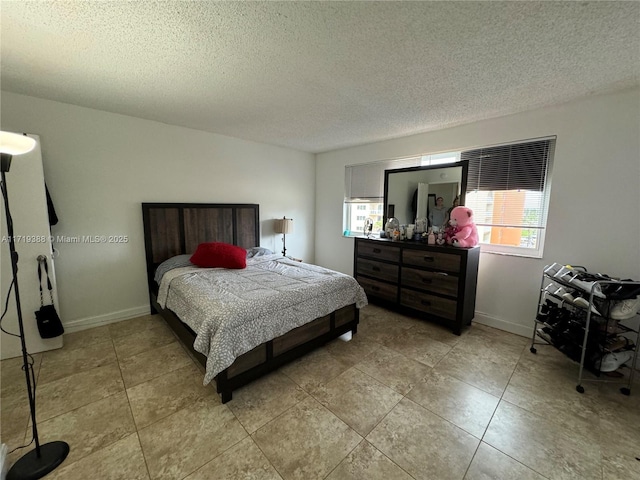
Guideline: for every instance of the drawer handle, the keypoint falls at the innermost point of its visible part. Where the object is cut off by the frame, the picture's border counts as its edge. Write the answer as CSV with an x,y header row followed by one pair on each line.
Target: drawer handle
x,y
428,259
427,280
375,269
375,289
443,274
377,250
426,303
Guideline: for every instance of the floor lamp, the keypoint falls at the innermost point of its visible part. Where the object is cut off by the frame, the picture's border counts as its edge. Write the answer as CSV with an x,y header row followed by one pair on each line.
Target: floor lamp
x,y
284,226
44,458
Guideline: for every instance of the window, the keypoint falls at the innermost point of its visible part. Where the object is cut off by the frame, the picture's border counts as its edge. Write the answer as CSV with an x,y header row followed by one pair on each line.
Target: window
x,y
508,190
364,190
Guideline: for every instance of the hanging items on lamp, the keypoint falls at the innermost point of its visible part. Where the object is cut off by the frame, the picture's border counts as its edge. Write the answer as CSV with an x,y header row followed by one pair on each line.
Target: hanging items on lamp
x,y
284,226
43,458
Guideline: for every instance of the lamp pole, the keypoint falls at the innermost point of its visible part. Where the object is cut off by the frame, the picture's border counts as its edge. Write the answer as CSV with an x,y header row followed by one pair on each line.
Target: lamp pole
x,y
44,458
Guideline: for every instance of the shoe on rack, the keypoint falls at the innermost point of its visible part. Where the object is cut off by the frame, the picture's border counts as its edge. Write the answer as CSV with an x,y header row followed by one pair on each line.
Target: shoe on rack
x,y
625,309
582,302
619,343
612,361
552,269
564,294
564,273
625,291
585,285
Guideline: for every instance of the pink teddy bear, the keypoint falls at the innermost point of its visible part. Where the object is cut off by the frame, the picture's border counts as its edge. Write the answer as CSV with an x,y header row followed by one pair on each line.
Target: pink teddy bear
x,y
461,218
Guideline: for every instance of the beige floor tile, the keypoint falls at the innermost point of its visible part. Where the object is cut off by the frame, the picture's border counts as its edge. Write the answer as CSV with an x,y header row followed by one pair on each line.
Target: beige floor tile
x,y
144,340
424,444
61,363
12,378
366,462
306,442
77,390
488,374
418,345
121,460
13,442
314,369
164,395
151,364
86,338
540,388
542,445
489,347
91,427
491,464
393,369
263,400
357,399
244,461
463,405
384,330
134,325
496,335
353,351
438,332
619,466
181,443
14,415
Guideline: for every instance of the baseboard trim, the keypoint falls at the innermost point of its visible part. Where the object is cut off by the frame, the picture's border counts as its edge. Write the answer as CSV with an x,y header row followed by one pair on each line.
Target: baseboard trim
x,y
106,319
516,328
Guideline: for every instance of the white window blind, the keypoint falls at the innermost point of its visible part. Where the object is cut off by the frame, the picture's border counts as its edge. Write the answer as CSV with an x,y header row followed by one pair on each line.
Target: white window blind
x,y
365,182
508,191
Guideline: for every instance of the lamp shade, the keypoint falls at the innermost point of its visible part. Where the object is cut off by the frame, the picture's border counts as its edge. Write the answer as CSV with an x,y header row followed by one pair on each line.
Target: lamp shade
x,y
284,225
15,144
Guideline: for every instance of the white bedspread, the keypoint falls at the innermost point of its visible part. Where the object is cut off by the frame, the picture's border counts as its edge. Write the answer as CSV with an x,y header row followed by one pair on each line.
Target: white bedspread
x,y
234,311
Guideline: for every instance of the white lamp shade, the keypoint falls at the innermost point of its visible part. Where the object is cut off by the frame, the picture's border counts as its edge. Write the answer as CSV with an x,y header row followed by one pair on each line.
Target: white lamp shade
x,y
15,144
284,225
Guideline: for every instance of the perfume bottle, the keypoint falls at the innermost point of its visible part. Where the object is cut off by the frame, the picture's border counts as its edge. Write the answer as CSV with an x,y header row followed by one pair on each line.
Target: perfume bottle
x,y
391,226
431,238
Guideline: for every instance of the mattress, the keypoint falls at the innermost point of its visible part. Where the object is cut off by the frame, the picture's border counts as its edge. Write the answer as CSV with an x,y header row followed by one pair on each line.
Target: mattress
x,y
234,311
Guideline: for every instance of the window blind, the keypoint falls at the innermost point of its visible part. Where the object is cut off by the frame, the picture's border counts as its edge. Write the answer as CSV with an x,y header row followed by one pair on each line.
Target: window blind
x,y
507,184
520,166
365,182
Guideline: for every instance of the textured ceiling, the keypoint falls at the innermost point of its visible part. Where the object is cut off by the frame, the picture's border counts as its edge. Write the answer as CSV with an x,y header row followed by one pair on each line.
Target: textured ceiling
x,y
316,76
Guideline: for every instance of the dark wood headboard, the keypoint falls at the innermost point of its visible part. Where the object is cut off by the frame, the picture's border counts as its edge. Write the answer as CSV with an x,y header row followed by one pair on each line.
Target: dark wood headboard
x,y
177,228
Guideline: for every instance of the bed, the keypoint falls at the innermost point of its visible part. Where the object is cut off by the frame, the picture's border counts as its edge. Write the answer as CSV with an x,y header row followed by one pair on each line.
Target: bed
x,y
175,229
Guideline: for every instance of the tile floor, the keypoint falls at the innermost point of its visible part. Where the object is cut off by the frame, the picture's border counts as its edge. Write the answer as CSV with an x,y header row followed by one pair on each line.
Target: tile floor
x,y
404,399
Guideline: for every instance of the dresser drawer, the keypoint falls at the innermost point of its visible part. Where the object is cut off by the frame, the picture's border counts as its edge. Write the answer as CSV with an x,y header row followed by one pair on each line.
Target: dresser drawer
x,y
379,250
382,271
438,282
436,260
379,289
441,307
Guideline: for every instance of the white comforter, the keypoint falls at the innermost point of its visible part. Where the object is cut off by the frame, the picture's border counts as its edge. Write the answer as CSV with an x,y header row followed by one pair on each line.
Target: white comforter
x,y
234,311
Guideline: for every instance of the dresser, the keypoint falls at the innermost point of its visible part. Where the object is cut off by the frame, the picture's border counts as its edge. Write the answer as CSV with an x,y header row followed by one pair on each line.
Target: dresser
x,y
429,281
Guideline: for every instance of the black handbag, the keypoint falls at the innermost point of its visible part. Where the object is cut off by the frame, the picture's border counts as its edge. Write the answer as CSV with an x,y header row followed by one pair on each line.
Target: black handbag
x,y
49,324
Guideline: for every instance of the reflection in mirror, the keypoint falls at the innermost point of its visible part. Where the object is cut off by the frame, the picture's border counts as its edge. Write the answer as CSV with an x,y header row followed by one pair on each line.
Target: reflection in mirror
x,y
414,192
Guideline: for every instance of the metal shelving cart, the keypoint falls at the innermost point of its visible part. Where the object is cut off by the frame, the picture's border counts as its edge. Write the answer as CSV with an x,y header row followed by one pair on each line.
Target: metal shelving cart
x,y
581,326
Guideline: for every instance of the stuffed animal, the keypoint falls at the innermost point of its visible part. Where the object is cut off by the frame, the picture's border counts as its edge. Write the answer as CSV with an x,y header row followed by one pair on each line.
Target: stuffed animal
x,y
467,234
449,233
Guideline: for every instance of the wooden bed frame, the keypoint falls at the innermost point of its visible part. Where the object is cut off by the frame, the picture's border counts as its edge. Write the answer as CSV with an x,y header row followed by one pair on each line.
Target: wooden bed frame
x,y
177,228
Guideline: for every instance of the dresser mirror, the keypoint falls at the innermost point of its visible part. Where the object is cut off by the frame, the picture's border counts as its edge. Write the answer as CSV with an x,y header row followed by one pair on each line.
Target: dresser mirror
x,y
411,193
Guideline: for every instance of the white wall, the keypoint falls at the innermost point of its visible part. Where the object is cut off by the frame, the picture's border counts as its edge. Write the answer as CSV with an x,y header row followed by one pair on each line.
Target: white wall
x,y
100,166
594,214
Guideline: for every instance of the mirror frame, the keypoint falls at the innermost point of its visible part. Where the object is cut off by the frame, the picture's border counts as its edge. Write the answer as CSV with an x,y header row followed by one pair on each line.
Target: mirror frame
x,y
463,182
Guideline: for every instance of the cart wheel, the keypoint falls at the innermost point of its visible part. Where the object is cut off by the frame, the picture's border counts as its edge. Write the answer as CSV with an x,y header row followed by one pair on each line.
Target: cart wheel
x,y
533,350
580,389
625,391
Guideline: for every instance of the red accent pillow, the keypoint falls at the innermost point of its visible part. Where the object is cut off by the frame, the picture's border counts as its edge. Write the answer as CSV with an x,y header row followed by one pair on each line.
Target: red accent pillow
x,y
218,254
